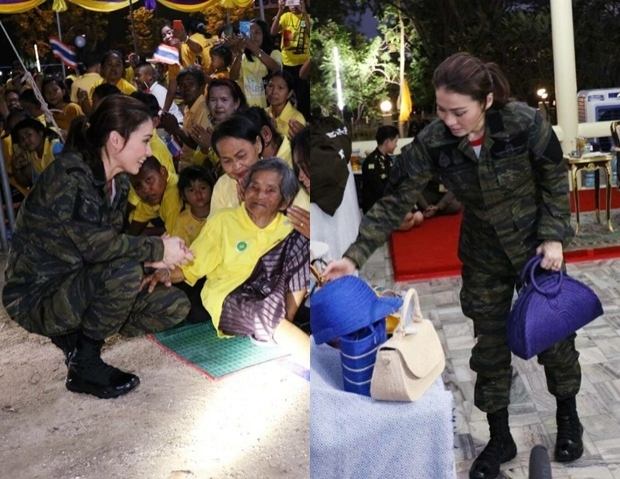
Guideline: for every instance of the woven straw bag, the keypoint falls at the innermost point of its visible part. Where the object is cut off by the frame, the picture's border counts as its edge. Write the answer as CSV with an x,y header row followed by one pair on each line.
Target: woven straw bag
x,y
408,363
358,352
550,307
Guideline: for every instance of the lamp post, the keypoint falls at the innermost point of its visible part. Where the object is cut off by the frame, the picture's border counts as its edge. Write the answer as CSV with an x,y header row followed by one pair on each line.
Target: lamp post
x,y
339,96
386,111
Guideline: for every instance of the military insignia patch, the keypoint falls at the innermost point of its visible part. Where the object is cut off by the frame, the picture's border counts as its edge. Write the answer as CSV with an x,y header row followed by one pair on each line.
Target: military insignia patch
x,y
444,160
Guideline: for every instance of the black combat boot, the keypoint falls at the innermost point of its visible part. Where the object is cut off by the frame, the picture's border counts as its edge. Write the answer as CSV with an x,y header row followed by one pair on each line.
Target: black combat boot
x,y
568,444
501,448
89,374
67,343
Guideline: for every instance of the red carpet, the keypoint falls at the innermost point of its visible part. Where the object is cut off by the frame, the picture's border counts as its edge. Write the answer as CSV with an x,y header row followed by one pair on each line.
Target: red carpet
x,y
430,251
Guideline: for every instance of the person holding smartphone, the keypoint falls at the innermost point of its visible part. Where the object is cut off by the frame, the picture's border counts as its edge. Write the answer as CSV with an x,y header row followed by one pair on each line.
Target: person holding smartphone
x,y
255,58
294,27
189,47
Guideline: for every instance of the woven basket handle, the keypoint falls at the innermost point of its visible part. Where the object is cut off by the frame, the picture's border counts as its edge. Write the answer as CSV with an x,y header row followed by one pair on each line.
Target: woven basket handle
x,y
411,307
548,291
530,267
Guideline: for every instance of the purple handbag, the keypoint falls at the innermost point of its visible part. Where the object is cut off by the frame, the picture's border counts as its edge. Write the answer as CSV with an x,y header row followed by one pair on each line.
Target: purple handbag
x,y
550,307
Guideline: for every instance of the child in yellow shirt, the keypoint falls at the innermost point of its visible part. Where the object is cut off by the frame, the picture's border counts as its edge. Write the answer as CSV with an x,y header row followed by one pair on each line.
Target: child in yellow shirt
x,y
40,146
157,188
221,60
195,187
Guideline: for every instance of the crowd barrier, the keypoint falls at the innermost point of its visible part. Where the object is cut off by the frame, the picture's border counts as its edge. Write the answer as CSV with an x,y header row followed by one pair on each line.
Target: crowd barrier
x,y
7,214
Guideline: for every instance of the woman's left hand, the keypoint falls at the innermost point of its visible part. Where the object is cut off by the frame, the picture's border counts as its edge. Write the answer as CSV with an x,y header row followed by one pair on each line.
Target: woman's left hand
x,y
181,35
294,127
553,257
202,136
300,220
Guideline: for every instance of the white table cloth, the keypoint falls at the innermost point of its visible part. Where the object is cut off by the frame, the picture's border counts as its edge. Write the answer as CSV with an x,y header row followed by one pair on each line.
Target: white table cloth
x,y
353,436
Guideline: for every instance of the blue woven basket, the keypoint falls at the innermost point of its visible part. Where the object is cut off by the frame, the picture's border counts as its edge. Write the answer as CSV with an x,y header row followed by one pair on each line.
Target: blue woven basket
x,y
358,352
550,308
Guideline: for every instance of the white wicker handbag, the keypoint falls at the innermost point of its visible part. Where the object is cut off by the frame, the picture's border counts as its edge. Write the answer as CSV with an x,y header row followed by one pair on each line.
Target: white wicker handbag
x,y
408,363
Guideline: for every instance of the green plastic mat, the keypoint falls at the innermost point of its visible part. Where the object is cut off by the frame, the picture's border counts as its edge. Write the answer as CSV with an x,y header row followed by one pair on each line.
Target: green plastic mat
x,y
198,345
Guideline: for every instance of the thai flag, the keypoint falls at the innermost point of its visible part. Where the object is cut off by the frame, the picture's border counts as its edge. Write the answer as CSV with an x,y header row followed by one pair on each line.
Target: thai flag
x,y
166,54
64,52
174,147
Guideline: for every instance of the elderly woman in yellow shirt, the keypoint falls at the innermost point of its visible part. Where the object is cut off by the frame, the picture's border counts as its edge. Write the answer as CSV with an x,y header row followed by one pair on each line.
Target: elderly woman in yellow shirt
x,y
239,145
279,90
256,264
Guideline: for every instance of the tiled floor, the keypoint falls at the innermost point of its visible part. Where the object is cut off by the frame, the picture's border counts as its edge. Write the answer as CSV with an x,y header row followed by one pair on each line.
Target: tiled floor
x,y
532,410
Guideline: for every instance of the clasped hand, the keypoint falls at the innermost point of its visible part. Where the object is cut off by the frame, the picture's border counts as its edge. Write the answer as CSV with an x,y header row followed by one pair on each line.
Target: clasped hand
x,y
176,253
553,257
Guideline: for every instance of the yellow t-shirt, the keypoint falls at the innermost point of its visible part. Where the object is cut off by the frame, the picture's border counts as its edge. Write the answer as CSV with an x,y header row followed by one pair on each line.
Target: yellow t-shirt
x,y
188,57
295,43
288,113
251,76
8,149
168,210
85,82
173,71
200,157
220,75
227,250
188,227
129,74
64,118
198,114
225,196
123,85
162,153
285,153
40,163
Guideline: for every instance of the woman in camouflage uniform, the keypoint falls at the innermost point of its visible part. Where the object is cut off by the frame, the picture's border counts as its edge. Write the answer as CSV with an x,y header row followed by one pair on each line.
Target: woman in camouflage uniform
x,y
503,161
71,274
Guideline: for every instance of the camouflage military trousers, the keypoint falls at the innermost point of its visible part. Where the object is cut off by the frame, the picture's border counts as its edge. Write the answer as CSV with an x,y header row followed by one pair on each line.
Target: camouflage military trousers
x,y
486,298
103,299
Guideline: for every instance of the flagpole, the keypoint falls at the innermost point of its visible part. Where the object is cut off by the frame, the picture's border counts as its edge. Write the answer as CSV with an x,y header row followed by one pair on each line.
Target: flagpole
x,y
133,28
64,73
261,7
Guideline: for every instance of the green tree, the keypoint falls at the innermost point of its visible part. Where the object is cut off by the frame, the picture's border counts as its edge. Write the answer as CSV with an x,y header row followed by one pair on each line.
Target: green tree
x,y
147,26
38,24
217,16
366,69
515,34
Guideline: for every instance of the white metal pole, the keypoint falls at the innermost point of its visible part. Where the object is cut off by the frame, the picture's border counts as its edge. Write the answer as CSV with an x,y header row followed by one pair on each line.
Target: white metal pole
x,y
261,8
64,72
338,82
564,70
36,55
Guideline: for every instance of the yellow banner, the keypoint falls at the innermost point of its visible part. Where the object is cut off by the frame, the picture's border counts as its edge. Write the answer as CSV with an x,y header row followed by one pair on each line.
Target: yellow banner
x,y
98,6
19,7
187,8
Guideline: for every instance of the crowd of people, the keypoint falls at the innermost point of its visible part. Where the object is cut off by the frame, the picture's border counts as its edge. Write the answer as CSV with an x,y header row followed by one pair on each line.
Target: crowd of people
x,y
189,186
156,195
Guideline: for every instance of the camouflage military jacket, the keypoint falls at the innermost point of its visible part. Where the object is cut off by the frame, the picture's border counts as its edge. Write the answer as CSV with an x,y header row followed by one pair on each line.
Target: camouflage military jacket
x,y
65,223
515,193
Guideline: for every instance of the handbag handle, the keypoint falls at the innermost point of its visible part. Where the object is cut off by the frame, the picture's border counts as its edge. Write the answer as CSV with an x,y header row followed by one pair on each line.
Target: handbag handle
x,y
411,302
531,265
